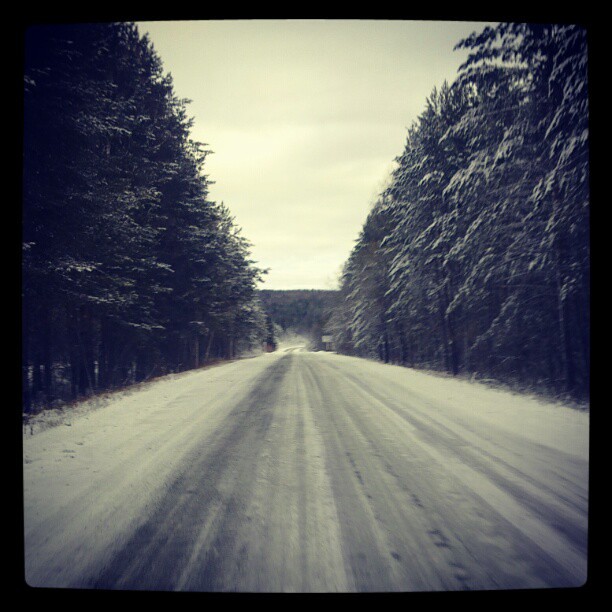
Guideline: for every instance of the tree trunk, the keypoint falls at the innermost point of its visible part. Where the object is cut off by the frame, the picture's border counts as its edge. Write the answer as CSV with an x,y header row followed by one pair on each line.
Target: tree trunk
x,y
386,346
196,351
209,345
47,357
454,351
564,334
37,379
104,358
570,371
85,345
447,365
26,391
74,372
582,336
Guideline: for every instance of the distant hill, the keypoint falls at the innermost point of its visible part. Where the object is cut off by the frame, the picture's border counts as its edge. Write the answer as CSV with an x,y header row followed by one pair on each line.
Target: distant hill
x,y
301,311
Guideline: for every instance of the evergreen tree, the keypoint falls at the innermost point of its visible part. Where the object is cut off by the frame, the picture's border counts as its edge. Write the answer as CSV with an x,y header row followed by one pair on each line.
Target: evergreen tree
x,y
127,265
482,260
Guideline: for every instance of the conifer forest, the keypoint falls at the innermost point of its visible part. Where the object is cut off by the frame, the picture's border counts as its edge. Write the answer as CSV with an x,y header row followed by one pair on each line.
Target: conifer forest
x,y
129,271
309,381
473,260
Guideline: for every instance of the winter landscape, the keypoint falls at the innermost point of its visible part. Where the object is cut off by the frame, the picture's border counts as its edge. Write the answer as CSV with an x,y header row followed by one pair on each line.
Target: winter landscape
x,y
329,361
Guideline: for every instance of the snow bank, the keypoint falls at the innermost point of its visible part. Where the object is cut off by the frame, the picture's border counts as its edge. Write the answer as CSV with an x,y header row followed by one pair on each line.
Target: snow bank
x,y
90,479
553,424
106,455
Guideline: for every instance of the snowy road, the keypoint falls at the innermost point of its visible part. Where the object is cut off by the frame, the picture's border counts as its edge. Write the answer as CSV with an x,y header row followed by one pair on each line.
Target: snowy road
x,y
300,471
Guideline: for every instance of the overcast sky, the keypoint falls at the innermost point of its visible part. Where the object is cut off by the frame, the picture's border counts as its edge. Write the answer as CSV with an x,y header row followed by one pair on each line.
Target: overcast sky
x,y
305,119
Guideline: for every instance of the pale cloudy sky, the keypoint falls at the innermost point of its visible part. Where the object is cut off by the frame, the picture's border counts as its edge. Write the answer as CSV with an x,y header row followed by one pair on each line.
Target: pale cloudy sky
x,y
305,118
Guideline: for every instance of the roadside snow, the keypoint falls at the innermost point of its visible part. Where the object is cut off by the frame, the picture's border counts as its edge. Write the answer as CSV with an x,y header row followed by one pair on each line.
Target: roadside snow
x,y
93,470
555,424
115,461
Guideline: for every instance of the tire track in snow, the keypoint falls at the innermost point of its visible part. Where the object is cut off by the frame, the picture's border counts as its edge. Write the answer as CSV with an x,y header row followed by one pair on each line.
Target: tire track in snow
x,y
321,478
183,542
559,532
381,540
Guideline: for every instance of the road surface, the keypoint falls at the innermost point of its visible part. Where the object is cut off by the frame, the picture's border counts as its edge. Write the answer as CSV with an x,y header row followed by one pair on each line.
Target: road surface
x,y
302,472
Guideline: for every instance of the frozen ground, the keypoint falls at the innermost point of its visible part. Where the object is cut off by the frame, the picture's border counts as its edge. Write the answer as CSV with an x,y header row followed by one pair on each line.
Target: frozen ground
x,y
297,471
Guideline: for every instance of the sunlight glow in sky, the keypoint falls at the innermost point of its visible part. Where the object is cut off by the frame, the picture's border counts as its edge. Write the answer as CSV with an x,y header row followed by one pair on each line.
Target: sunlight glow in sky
x,y
305,119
